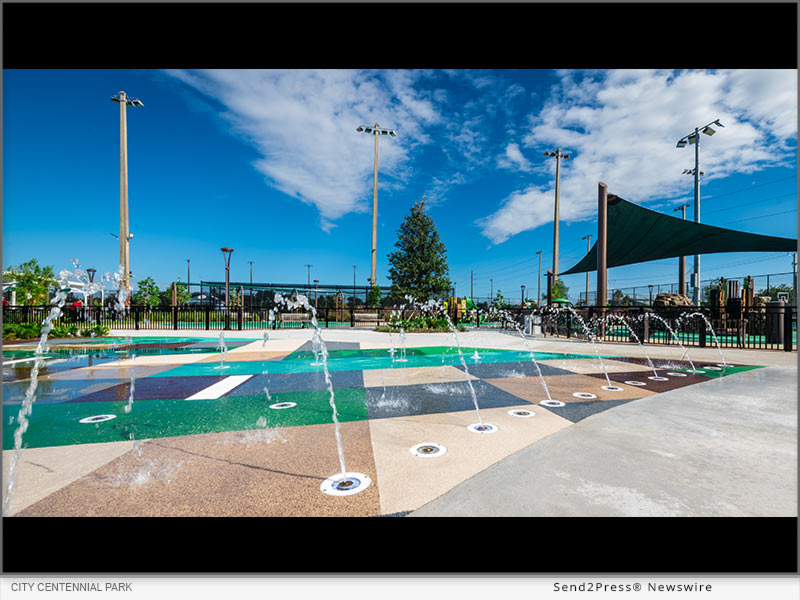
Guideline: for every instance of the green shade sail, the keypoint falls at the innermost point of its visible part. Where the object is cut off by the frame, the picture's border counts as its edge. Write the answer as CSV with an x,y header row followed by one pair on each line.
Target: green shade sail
x,y
637,234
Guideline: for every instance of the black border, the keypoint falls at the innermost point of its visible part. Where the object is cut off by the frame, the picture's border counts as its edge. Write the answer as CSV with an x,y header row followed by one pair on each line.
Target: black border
x,y
400,35
470,545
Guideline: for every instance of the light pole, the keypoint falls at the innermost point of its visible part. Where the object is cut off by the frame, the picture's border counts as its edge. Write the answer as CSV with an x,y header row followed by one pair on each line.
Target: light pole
x,y
651,293
316,283
491,291
539,280
189,277
124,235
226,254
251,283
308,282
522,299
354,286
694,138
91,273
682,259
588,239
376,131
558,156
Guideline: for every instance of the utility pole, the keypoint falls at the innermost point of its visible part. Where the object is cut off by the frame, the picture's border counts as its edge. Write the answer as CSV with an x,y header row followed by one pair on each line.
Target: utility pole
x,y
470,286
558,156
539,279
354,286
682,259
588,239
308,285
124,234
694,138
188,277
491,291
376,131
251,283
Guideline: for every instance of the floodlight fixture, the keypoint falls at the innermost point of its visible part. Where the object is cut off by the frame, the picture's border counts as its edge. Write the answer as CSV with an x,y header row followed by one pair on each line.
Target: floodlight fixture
x,y
694,138
377,131
558,156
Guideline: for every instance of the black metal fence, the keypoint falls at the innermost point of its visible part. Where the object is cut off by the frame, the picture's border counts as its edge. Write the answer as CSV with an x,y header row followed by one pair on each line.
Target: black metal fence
x,y
773,327
769,328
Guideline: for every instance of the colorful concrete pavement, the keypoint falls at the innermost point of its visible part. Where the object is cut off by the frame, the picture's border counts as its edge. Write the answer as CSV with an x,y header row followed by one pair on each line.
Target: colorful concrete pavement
x,y
174,428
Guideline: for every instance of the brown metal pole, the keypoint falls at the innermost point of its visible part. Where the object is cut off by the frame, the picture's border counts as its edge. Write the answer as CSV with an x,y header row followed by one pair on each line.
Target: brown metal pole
x,y
602,229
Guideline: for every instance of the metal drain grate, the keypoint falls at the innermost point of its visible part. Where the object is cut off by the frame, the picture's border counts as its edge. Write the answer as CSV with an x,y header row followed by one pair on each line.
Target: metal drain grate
x,y
347,485
428,450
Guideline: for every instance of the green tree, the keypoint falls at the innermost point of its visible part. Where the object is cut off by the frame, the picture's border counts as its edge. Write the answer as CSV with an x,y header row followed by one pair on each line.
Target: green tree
x,y
148,293
773,291
498,301
33,281
374,296
559,290
419,263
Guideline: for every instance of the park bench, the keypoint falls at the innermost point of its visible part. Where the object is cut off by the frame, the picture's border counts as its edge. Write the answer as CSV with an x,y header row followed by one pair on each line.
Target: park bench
x,y
295,318
366,318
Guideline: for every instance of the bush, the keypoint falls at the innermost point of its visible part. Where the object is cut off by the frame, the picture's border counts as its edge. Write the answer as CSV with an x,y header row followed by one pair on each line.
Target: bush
x,y
420,324
63,331
21,331
95,331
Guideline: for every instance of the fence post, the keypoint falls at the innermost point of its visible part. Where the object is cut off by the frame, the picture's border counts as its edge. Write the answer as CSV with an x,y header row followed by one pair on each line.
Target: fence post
x,y
702,333
240,317
175,318
208,317
135,317
788,330
352,317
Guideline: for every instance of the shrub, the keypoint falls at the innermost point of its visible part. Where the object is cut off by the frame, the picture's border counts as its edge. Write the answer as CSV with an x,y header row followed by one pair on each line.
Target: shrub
x,y
21,331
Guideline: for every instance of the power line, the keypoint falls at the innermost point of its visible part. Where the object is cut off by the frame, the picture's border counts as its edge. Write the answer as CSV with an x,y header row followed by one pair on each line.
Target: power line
x,y
749,203
762,216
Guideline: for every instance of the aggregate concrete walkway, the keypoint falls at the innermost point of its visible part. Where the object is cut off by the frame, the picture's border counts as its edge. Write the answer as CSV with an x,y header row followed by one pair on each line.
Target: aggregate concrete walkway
x,y
725,447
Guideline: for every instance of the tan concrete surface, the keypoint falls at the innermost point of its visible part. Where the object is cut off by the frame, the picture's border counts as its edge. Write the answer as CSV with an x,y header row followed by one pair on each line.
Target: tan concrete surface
x,y
563,387
42,471
258,473
413,376
407,482
246,356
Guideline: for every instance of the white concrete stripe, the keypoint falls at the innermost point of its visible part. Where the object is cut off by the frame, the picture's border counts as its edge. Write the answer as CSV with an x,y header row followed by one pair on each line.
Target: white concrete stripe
x,y
216,390
22,360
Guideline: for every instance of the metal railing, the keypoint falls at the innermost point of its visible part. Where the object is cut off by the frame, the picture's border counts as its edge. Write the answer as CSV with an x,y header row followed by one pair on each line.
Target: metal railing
x,y
768,328
771,327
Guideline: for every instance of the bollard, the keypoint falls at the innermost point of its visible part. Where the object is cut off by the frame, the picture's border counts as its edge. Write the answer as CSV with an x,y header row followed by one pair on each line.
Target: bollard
x,y
776,311
788,329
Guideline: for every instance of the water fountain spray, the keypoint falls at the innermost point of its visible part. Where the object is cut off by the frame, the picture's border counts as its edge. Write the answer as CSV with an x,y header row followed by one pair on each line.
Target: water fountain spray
x,y
30,394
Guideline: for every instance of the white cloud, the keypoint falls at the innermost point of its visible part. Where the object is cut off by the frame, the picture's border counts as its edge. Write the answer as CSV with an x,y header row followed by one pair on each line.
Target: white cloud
x,y
513,159
622,127
303,124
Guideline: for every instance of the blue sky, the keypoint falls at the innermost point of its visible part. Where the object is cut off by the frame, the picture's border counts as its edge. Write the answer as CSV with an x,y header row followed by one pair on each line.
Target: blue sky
x,y
270,164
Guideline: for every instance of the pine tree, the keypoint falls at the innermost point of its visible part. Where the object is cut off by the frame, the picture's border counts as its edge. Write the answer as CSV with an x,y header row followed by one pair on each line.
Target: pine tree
x,y
419,263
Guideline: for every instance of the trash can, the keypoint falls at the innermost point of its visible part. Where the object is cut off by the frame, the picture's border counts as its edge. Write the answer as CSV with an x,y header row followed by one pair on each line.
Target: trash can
x,y
776,312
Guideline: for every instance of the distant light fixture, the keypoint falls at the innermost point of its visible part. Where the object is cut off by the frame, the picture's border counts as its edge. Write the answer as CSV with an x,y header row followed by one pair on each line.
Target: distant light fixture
x,y
718,124
392,133
681,144
359,129
692,139
708,131
368,130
